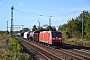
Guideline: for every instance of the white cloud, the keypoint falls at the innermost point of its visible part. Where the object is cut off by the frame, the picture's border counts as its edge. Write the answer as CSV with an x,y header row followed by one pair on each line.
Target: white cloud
x,y
0,3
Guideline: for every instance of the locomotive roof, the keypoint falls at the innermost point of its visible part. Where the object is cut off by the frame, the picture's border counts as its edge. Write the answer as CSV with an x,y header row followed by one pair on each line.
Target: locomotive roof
x,y
36,31
44,31
48,31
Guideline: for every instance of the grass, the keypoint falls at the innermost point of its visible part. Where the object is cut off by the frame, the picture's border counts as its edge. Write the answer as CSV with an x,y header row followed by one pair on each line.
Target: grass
x,y
15,50
77,42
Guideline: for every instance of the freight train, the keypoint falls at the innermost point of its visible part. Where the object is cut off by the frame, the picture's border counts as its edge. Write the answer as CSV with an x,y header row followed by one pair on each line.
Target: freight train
x,y
47,37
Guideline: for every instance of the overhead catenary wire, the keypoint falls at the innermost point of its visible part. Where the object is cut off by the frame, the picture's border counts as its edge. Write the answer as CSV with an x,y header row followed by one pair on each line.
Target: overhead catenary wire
x,y
30,13
34,14
24,12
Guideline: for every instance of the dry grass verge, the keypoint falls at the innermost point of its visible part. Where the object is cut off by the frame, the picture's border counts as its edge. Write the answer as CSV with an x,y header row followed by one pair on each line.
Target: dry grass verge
x,y
77,42
15,50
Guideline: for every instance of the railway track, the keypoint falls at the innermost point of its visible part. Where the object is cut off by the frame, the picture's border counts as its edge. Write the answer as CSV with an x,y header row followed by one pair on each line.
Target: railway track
x,y
73,55
77,54
55,54
47,55
81,51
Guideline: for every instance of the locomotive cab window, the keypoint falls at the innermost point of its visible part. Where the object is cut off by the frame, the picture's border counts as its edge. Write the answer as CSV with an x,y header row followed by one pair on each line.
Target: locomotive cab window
x,y
56,34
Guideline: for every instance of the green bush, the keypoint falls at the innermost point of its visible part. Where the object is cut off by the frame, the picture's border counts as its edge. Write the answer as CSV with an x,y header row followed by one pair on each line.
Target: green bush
x,y
87,36
15,50
68,35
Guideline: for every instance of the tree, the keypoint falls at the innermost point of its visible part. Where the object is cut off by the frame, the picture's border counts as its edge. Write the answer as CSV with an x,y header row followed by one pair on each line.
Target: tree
x,y
53,28
34,28
62,27
25,29
40,29
49,28
74,26
1,32
87,29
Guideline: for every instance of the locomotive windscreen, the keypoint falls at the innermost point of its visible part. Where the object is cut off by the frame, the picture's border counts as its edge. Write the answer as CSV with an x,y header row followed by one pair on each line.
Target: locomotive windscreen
x,y
56,34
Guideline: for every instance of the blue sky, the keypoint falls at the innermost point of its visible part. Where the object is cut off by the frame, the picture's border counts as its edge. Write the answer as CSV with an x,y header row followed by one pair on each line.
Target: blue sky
x,y
27,12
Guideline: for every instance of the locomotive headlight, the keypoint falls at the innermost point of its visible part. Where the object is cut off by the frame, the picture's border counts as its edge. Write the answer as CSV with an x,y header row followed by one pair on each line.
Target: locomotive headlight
x,y
53,38
60,38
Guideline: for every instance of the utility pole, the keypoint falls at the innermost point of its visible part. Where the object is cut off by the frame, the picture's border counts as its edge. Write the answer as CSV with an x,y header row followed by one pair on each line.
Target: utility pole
x,y
7,27
22,27
19,29
12,20
50,21
39,23
82,25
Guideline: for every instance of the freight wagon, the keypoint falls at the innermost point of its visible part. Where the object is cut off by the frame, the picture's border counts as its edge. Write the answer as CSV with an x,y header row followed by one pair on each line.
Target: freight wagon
x,y
36,36
26,35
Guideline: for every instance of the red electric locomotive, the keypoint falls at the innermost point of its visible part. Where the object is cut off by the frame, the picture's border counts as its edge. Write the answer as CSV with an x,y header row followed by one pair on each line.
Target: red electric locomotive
x,y
51,37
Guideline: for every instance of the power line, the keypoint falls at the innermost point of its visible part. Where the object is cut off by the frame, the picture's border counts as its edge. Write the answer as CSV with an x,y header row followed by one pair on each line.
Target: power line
x,y
27,13
23,12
